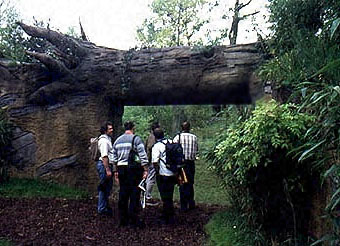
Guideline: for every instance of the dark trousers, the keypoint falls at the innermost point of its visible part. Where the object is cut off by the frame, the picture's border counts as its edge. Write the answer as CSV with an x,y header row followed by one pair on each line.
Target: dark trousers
x,y
166,186
186,191
129,194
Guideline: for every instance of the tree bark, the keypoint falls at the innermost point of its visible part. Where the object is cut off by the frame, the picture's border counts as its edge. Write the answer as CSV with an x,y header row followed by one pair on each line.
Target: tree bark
x,y
176,75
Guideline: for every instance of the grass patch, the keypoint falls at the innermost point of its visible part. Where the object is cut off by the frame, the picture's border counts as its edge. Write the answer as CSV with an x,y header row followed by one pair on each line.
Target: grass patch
x,y
31,188
207,188
4,242
228,228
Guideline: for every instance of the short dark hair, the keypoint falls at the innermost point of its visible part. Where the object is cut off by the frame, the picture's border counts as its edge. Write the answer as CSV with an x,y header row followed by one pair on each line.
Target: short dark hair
x,y
129,125
105,126
159,133
154,125
186,126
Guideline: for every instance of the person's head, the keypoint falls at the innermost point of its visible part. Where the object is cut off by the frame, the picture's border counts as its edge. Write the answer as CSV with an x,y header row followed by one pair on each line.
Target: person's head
x,y
154,125
185,126
129,126
107,128
159,133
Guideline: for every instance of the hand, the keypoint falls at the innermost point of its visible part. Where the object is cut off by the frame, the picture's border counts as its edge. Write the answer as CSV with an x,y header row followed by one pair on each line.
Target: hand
x,y
116,177
145,174
108,173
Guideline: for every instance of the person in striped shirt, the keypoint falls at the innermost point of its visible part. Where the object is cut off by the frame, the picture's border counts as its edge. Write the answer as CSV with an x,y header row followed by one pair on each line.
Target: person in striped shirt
x,y
190,149
128,176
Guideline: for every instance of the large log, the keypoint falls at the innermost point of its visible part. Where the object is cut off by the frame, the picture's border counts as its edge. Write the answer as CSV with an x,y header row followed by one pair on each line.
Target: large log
x,y
176,75
58,101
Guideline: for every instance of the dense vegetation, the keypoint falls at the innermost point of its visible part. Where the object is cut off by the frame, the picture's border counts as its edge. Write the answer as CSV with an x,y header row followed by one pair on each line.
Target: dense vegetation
x,y
274,162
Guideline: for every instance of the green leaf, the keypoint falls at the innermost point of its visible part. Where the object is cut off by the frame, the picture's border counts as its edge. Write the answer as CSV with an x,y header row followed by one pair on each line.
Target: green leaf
x,y
337,89
335,26
328,237
304,154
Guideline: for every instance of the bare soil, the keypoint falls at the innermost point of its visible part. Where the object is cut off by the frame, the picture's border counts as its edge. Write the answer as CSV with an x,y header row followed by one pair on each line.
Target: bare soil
x,y
76,222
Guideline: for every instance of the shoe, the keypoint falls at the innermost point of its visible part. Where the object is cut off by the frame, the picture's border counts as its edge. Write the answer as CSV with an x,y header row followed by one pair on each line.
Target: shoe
x,y
140,224
123,223
151,202
192,205
106,212
166,220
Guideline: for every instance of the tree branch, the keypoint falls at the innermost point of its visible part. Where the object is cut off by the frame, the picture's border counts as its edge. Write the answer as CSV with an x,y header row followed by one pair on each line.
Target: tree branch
x,y
51,63
83,35
245,16
65,43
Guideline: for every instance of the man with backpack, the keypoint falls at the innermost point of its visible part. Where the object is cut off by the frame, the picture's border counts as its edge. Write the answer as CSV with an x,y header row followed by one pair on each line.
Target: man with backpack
x,y
166,179
104,168
129,173
190,149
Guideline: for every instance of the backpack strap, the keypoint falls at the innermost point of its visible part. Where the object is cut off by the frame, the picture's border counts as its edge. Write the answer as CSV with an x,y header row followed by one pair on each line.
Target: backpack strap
x,y
133,143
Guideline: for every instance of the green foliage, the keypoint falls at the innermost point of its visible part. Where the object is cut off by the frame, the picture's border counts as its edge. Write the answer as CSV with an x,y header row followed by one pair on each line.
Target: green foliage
x,y
229,228
263,181
175,22
32,188
143,116
140,117
5,138
272,127
4,242
11,36
306,67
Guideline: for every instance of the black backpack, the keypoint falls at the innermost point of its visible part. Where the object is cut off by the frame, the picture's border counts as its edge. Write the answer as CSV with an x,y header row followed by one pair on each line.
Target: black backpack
x,y
174,156
133,159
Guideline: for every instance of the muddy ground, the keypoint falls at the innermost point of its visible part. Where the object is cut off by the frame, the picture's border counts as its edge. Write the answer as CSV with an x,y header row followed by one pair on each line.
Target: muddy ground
x,y
75,222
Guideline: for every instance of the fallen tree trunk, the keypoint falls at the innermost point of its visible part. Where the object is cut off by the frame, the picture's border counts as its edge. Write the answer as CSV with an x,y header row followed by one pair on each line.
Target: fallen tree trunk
x,y
176,75
58,101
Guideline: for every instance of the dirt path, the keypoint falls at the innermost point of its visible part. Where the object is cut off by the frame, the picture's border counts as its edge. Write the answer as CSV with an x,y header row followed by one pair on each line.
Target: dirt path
x,y
75,222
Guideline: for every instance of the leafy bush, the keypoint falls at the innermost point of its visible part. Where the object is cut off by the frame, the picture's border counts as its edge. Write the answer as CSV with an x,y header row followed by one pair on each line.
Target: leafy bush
x,y
262,179
309,71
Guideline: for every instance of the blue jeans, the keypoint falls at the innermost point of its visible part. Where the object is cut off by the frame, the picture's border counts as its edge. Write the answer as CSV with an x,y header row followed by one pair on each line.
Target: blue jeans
x,y
104,190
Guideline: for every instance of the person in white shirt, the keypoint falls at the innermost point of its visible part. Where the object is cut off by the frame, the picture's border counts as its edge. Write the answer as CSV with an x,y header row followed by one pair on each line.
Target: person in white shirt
x,y
165,178
104,169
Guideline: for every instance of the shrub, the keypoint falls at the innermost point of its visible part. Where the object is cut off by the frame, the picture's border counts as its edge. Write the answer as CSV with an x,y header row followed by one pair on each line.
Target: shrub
x,y
263,179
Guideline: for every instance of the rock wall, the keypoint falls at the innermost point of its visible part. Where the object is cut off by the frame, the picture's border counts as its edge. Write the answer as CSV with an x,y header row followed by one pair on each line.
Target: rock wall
x,y
51,142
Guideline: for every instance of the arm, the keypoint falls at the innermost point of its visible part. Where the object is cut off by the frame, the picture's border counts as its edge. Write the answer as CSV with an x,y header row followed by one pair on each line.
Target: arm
x,y
104,153
155,156
107,167
115,162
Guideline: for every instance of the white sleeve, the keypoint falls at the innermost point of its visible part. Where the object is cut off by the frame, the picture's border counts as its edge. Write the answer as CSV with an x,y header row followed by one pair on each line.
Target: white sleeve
x,y
155,154
103,148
